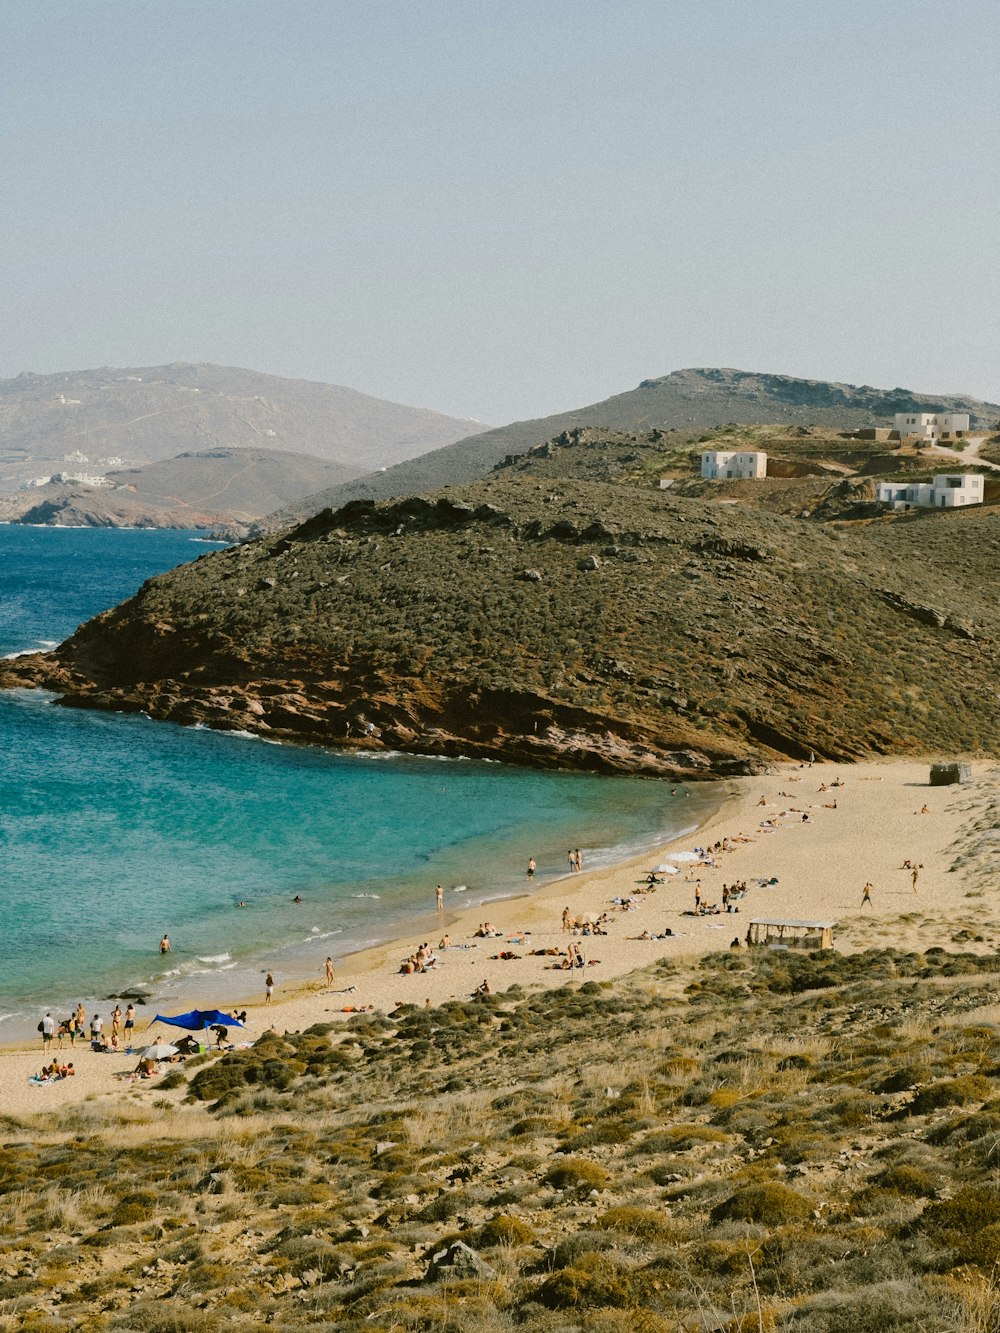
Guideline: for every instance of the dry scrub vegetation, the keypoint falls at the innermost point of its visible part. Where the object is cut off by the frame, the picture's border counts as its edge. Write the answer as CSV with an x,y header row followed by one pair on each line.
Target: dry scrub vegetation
x,y
762,1141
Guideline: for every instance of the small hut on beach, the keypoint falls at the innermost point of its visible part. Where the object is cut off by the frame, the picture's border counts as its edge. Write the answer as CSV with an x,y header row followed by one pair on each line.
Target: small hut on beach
x,y
785,933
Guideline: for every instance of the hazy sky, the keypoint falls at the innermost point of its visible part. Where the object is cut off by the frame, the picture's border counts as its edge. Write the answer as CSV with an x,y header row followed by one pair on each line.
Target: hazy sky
x,y
503,208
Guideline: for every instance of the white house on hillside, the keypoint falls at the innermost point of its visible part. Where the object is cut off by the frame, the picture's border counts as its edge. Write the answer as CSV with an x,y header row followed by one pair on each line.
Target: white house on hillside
x,y
932,425
947,491
748,466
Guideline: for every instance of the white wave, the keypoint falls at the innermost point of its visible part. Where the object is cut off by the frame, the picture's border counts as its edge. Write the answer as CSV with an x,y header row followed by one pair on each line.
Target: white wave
x,y
14,1013
366,895
325,934
214,957
49,643
460,888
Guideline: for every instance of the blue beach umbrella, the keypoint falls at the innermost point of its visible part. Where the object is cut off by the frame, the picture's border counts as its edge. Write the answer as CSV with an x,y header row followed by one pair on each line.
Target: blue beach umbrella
x,y
198,1019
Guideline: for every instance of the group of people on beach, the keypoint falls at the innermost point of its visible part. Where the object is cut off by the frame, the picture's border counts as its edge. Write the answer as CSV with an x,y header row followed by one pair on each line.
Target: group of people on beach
x,y
51,1073
423,960
69,1029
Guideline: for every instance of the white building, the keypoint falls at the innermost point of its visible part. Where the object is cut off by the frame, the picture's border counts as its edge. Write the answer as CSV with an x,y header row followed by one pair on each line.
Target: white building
x,y
932,425
949,490
717,464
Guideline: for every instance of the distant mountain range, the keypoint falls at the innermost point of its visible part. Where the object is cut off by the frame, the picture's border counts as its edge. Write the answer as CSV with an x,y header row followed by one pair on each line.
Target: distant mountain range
x,y
219,488
91,423
684,400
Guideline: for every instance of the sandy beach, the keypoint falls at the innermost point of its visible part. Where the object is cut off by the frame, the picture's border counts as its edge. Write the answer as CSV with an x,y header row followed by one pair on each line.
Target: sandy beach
x,y
861,830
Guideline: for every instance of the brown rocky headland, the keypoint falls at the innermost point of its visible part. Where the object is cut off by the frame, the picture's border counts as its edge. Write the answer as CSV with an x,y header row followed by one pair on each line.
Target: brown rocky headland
x,y
567,612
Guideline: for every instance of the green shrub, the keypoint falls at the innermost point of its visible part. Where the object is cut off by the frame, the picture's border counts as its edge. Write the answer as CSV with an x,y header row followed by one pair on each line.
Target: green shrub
x,y
679,1138
505,1230
646,1223
905,1077
770,1204
595,1280
577,1173
951,1092
911,1181
969,1224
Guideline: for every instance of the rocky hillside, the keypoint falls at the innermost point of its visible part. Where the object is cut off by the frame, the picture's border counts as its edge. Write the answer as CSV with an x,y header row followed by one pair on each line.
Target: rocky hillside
x,y
219,488
568,612
151,413
686,400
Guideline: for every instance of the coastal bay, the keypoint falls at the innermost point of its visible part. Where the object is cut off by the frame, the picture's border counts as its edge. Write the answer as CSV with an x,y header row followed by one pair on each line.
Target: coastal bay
x,y
116,830
819,867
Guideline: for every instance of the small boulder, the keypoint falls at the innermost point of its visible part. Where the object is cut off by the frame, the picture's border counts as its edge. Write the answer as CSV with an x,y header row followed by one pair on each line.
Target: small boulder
x,y
459,1260
589,562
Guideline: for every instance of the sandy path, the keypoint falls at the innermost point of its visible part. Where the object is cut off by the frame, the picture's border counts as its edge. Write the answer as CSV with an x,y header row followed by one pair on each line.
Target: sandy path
x,y
821,866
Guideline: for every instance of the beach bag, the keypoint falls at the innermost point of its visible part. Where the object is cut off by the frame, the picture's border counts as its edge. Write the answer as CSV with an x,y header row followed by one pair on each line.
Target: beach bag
x,y
41,1027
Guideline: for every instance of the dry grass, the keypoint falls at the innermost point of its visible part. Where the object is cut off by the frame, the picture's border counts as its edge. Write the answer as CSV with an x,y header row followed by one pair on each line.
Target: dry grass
x,y
792,1170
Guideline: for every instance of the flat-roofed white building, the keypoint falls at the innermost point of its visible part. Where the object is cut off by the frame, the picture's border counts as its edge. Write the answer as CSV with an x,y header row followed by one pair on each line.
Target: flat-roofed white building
x,y
932,425
745,466
949,490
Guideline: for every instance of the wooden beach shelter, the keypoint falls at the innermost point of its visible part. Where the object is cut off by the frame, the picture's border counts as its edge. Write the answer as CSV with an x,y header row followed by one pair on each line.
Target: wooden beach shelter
x,y
785,933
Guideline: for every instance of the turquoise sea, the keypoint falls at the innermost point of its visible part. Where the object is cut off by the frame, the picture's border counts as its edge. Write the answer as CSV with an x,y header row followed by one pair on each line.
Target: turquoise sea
x,y
115,829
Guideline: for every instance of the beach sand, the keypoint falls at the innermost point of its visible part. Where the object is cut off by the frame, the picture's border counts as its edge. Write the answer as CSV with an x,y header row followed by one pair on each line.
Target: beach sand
x,y
821,866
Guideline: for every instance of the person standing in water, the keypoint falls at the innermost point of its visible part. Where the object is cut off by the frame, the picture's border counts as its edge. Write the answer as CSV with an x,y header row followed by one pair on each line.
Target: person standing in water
x,y
531,867
268,988
165,944
440,898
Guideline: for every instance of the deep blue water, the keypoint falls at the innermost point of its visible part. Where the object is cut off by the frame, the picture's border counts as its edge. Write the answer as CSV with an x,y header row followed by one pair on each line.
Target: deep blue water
x,y
115,829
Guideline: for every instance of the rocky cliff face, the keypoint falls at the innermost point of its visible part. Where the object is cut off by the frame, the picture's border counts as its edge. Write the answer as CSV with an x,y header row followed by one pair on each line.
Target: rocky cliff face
x,y
558,621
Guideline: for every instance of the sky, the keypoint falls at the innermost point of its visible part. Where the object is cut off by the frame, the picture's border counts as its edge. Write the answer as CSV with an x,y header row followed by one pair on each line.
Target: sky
x,y
503,209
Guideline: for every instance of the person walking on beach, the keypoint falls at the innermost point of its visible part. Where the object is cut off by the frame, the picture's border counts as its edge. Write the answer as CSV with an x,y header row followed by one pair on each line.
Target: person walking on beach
x,y
914,875
866,895
165,944
268,988
46,1027
572,860
565,920
129,1023
329,971
579,859
116,1024
440,898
